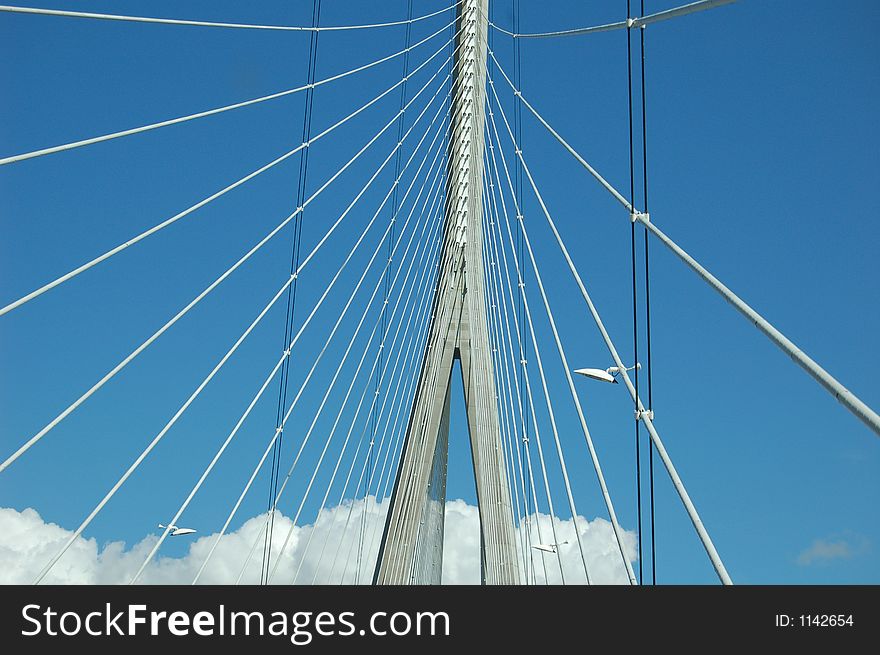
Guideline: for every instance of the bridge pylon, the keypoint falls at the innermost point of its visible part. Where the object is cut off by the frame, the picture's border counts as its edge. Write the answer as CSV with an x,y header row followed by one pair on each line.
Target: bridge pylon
x,y
411,551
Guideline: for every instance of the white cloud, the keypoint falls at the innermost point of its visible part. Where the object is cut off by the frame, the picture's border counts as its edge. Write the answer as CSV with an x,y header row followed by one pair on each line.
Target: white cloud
x,y
27,543
826,550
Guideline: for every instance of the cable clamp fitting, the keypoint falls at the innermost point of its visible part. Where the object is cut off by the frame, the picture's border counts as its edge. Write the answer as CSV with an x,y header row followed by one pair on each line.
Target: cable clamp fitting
x,y
645,414
640,216
630,22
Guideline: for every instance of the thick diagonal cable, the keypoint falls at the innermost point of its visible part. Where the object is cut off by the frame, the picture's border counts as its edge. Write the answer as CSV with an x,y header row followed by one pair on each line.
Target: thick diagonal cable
x,y
160,226
641,21
299,333
131,356
843,395
195,394
203,23
521,286
618,534
658,444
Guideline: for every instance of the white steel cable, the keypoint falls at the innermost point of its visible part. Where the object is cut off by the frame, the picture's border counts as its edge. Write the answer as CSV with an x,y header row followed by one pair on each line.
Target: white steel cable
x,y
202,23
395,410
180,412
500,257
539,361
122,364
642,21
374,218
446,256
593,455
329,438
210,112
843,395
507,414
162,433
521,283
410,350
274,438
395,370
311,427
423,305
281,491
271,443
702,533
409,216
207,471
241,497
156,228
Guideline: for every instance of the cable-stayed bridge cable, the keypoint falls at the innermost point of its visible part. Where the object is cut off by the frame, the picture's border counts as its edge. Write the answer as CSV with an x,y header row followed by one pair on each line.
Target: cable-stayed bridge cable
x,y
202,23
218,110
259,465
160,226
122,364
846,397
637,22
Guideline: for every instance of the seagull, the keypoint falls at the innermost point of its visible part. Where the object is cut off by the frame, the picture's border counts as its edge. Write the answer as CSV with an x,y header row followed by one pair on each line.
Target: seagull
x,y
174,531
548,548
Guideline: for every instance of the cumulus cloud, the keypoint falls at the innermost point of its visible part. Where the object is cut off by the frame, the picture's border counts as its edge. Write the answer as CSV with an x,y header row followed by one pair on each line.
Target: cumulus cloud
x,y
323,552
826,550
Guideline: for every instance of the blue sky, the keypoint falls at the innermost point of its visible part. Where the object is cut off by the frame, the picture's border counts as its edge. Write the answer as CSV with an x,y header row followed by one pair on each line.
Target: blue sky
x,y
763,156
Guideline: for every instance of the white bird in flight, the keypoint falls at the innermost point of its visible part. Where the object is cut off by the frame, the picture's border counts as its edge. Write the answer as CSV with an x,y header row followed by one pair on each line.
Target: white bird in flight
x,y
548,548
174,531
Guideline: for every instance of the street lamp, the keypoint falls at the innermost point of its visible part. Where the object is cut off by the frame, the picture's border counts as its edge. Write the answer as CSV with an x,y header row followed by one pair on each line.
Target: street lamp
x,y
607,375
